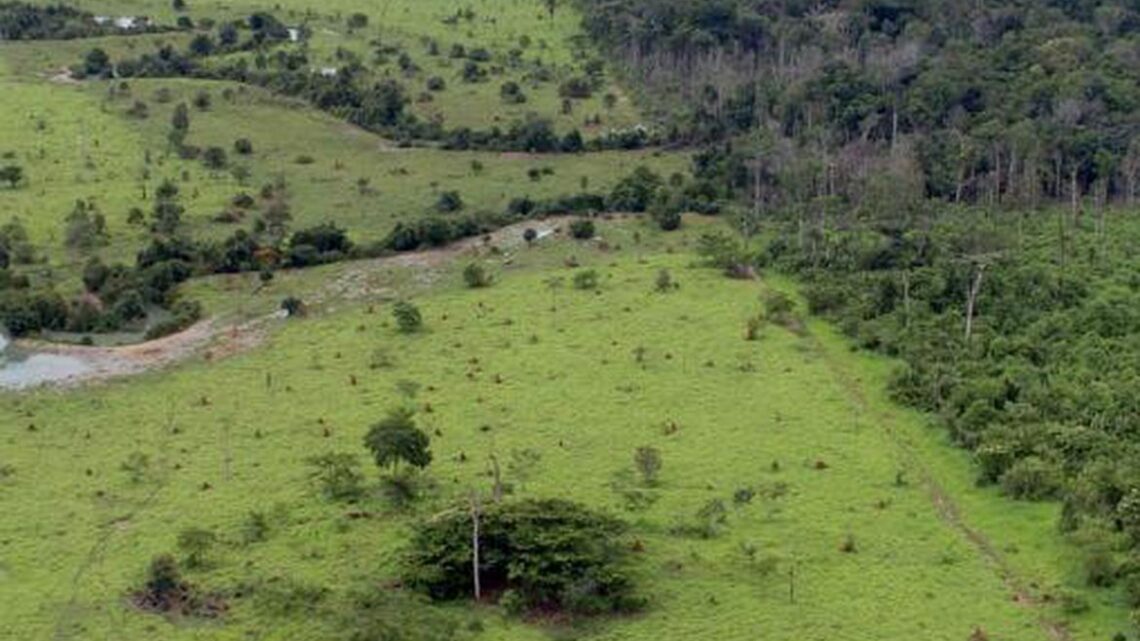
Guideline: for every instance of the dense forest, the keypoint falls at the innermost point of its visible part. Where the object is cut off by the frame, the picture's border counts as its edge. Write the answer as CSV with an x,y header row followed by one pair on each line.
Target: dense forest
x,y
985,102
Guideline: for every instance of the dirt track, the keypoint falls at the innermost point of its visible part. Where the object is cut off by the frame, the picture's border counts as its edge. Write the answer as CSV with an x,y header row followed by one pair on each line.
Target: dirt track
x,y
213,339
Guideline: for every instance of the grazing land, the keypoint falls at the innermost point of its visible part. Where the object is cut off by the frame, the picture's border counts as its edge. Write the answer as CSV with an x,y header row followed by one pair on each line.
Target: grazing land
x,y
536,319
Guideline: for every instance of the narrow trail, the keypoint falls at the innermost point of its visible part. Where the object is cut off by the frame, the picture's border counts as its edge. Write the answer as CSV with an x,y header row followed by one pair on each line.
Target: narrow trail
x,y
944,504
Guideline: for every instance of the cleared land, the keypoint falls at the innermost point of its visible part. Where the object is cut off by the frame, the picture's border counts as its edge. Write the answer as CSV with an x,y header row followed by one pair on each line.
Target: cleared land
x,y
860,522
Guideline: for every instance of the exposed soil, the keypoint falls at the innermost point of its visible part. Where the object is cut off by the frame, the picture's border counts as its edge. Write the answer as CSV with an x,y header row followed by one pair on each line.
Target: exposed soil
x,y
213,340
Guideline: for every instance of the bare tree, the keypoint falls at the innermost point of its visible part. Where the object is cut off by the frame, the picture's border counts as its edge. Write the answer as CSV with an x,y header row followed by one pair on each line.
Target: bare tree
x,y
476,512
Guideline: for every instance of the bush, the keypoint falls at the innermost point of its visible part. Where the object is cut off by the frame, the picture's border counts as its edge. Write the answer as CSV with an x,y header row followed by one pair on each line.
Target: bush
x,y
408,317
667,220
1031,478
337,475
448,202
243,146
214,158
293,306
476,276
634,192
647,460
576,87
586,280
166,592
511,93
196,543
582,229
549,555
435,83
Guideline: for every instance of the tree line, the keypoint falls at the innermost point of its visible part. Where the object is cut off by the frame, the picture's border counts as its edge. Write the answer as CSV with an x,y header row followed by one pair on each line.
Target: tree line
x,y
1011,103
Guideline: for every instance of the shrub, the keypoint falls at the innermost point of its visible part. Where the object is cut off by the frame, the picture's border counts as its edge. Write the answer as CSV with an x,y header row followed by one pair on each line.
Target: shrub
x,y
196,543
243,146
435,83
549,555
752,328
667,219
202,100
449,202
1031,478
337,475
647,460
408,317
214,158
664,281
586,279
166,592
848,546
582,229
634,192
780,309
706,523
530,235
476,276
293,306
511,93
576,87
139,110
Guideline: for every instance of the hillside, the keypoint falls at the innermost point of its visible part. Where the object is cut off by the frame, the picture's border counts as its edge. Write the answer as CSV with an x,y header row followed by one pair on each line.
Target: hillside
x,y
550,319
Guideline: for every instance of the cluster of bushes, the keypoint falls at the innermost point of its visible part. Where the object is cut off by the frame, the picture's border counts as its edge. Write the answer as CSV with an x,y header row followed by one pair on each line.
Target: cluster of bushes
x,y
378,106
24,21
258,32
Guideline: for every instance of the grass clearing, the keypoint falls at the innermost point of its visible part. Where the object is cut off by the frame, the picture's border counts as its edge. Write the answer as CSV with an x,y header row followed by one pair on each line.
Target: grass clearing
x,y
517,367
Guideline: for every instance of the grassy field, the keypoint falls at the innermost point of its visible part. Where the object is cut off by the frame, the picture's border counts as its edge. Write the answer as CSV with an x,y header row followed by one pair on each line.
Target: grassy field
x,y
865,523
498,26
797,418
76,142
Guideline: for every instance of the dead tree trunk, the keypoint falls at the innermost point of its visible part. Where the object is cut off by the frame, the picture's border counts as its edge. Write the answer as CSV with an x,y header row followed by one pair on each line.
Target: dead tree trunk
x,y
972,299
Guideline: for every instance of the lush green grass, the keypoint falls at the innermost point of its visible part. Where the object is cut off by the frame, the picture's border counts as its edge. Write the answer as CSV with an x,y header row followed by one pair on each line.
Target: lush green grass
x,y
408,26
78,533
88,148
77,141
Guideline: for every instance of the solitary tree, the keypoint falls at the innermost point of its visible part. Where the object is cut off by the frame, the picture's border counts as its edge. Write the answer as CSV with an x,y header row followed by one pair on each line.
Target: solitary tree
x,y
396,438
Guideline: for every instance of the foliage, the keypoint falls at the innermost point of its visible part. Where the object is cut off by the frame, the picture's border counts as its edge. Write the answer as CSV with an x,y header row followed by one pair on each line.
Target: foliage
x,y
986,101
337,474
196,543
548,554
647,460
166,592
476,276
408,317
587,279
396,439
582,229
